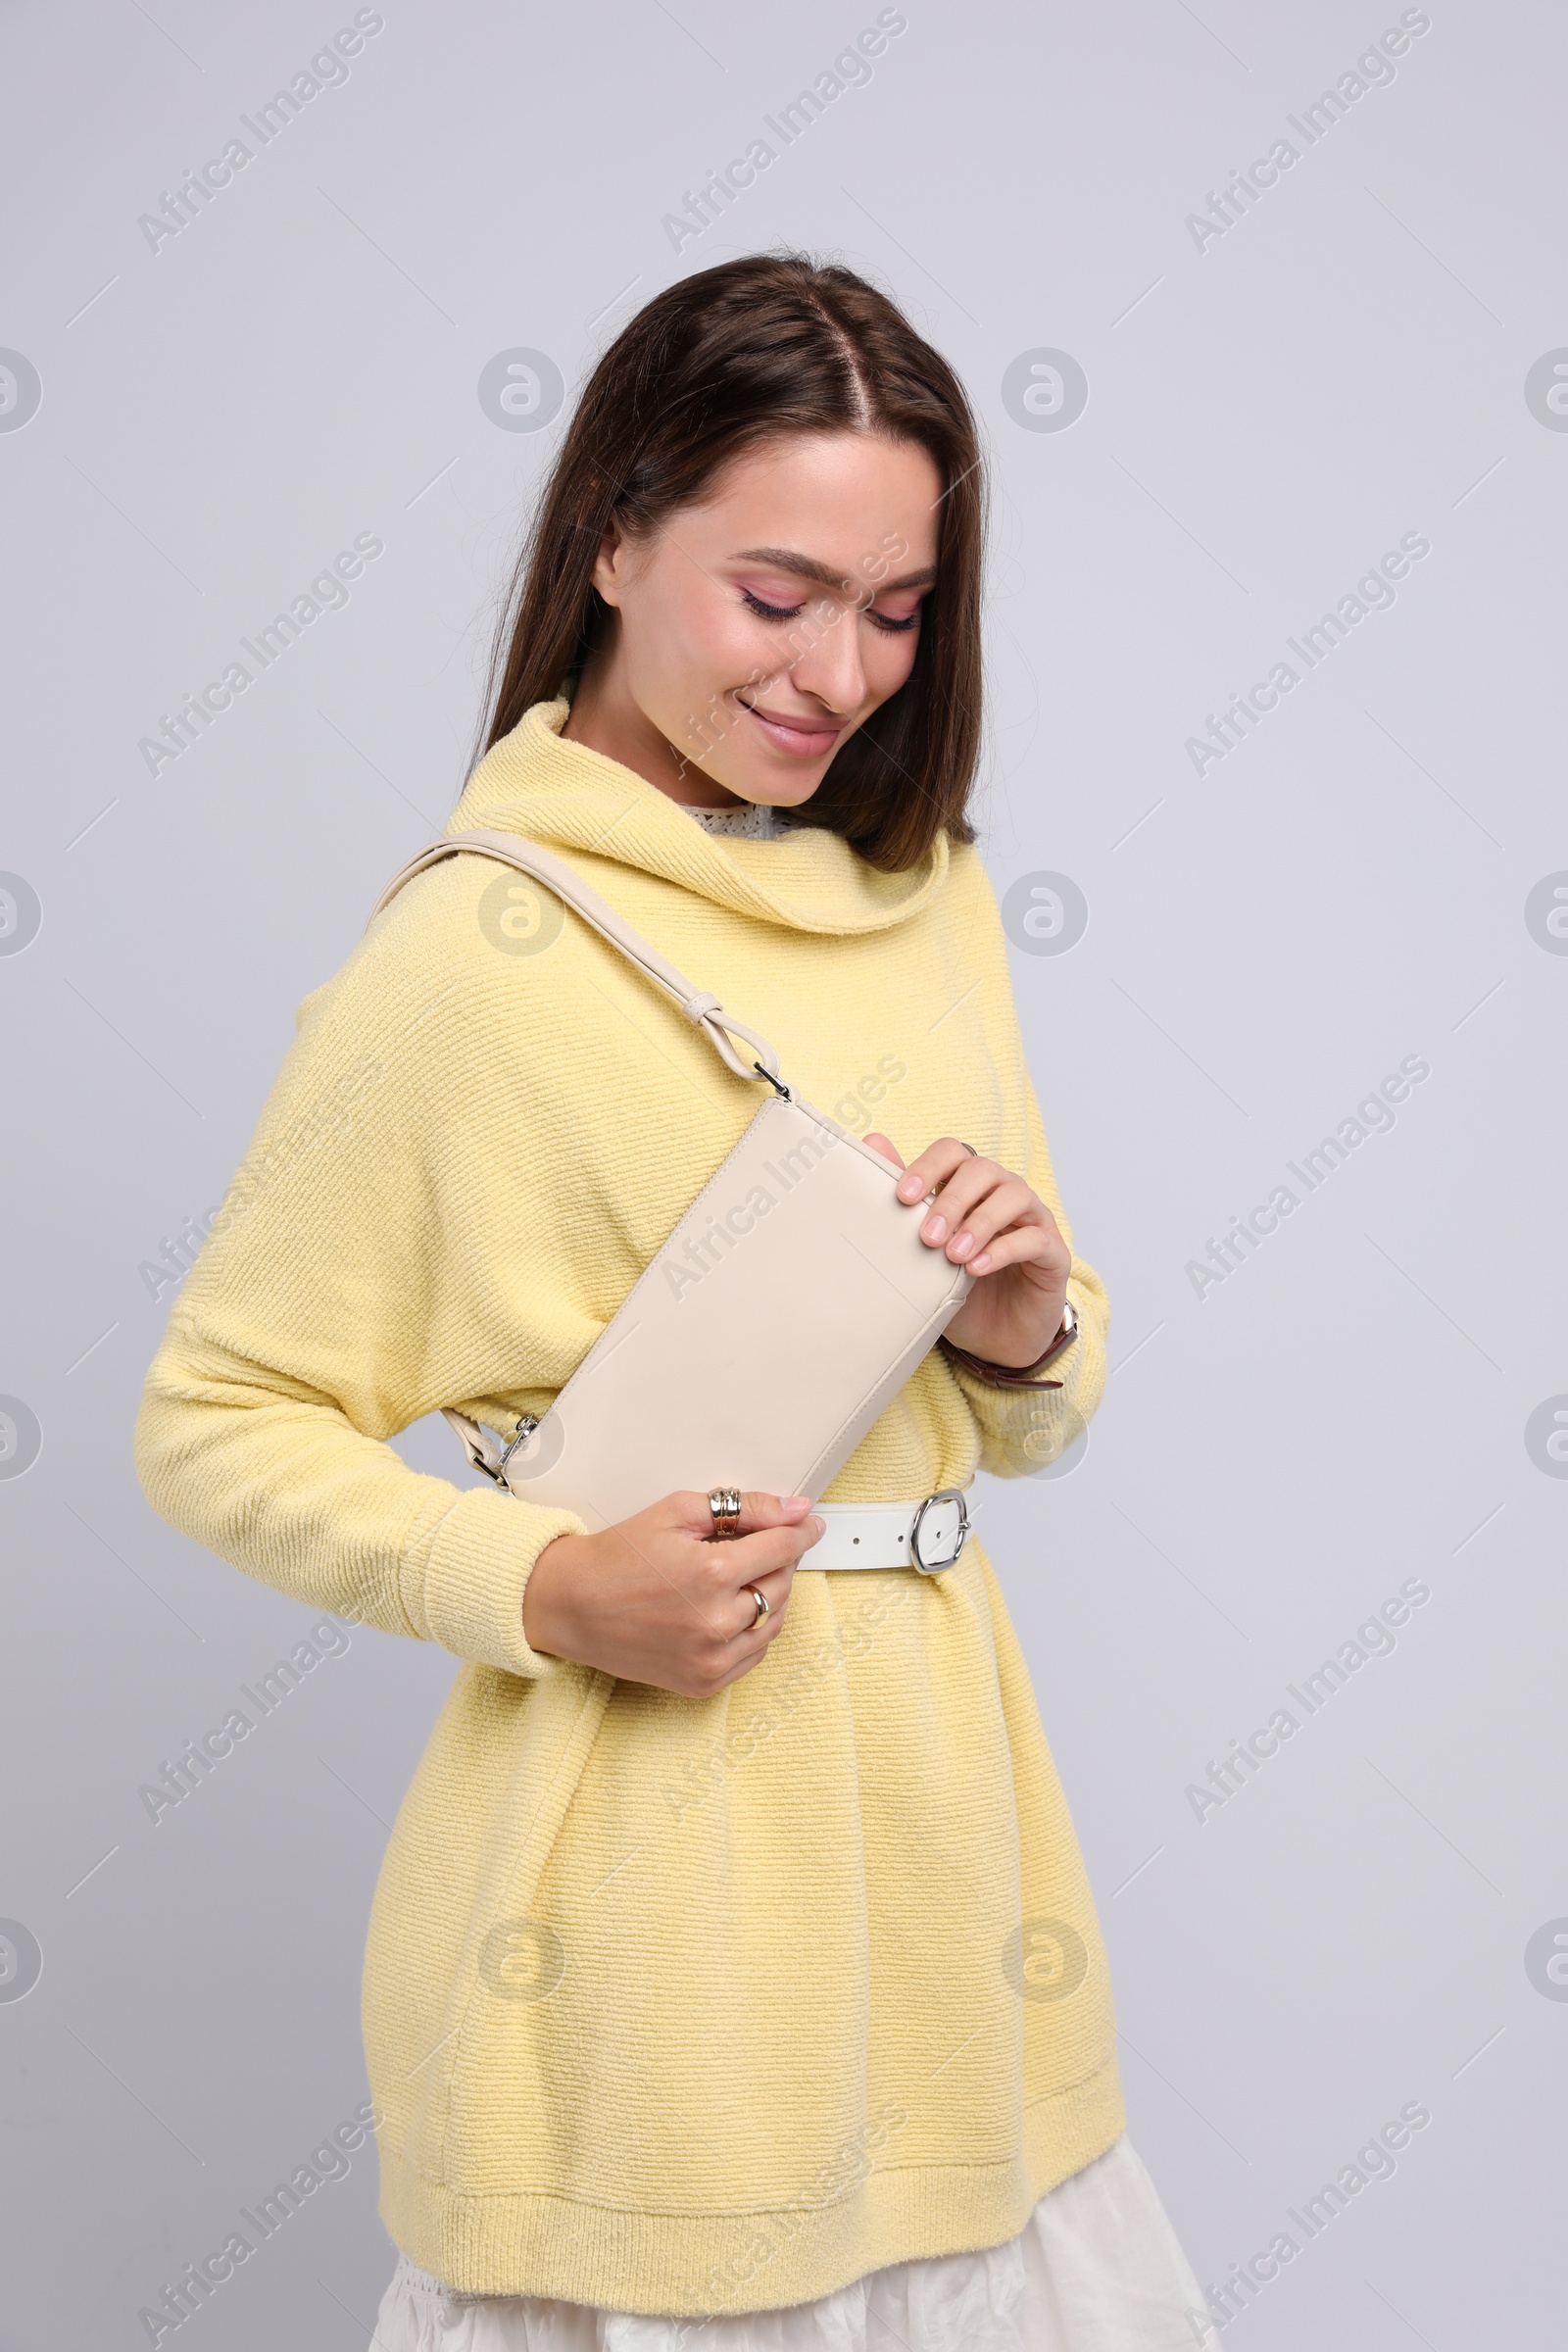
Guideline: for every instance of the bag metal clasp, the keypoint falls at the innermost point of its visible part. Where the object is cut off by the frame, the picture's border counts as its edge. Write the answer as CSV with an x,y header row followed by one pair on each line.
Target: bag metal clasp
x,y
521,1436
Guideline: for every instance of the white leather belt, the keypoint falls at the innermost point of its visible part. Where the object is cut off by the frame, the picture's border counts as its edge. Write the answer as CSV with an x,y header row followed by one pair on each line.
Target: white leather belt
x,y
928,1535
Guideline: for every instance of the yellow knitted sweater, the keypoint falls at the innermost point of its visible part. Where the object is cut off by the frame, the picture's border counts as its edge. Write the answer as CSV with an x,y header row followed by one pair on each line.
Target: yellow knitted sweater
x,y
671,2005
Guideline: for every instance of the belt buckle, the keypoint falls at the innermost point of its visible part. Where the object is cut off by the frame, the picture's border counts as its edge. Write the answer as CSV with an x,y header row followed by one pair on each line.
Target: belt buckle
x,y
935,1567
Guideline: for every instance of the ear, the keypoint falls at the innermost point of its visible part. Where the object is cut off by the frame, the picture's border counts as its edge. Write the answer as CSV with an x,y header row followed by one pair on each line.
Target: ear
x,y
612,564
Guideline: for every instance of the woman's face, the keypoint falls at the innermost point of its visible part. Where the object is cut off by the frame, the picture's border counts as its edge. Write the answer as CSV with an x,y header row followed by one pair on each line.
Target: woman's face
x,y
757,632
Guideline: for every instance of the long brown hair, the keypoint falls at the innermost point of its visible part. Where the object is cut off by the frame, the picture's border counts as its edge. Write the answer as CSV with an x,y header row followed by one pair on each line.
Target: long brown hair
x,y
715,365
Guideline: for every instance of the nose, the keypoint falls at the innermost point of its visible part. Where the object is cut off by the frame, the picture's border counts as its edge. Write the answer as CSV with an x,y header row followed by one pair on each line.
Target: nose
x,y
831,667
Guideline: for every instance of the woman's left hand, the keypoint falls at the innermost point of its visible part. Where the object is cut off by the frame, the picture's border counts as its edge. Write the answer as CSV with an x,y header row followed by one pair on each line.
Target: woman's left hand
x,y
987,1219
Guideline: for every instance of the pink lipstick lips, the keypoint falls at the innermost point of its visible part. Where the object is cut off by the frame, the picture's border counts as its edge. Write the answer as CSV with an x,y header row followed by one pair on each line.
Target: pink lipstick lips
x,y
802,738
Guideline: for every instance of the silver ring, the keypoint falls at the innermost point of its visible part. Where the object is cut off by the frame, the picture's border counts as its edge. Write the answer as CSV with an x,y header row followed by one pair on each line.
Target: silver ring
x,y
724,1502
761,1600
970,1148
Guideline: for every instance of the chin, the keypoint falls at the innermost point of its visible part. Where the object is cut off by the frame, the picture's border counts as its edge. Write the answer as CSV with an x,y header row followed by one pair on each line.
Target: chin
x,y
791,791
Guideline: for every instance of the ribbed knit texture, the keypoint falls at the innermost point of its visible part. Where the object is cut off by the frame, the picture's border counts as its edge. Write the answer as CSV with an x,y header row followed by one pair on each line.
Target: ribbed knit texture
x,y
670,2005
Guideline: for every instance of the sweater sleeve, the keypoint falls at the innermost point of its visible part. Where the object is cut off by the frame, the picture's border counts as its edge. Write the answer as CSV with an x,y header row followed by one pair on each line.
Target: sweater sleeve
x,y
338,1298
1023,1429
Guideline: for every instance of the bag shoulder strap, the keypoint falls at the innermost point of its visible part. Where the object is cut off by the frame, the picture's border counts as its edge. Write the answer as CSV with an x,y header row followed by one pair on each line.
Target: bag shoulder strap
x,y
705,1011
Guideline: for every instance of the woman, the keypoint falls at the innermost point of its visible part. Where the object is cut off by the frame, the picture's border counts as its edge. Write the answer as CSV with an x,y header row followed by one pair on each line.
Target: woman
x,y
753,1996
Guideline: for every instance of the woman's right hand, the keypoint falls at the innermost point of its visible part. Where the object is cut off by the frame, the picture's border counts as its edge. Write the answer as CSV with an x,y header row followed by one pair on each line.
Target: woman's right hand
x,y
659,1599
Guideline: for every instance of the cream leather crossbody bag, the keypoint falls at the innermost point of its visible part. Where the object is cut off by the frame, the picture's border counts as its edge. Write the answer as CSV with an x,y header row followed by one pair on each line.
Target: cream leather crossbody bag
x,y
772,1329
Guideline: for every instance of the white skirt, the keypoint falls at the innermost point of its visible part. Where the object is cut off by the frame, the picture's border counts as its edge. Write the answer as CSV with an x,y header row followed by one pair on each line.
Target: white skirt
x,y
1097,2268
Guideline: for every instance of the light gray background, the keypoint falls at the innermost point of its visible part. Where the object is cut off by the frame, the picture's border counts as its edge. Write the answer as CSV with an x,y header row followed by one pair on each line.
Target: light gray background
x,y
1265,417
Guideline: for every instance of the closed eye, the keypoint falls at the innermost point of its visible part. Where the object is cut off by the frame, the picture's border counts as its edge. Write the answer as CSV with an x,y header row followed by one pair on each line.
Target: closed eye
x,y
884,620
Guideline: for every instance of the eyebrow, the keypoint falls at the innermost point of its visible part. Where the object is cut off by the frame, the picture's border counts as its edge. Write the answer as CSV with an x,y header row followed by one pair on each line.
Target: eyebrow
x,y
806,567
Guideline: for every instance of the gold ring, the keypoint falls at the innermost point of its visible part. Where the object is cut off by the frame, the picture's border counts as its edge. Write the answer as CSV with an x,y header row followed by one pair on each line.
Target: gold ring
x,y
761,1600
724,1502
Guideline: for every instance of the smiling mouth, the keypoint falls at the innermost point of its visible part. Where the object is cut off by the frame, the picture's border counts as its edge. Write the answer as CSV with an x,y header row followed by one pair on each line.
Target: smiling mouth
x,y
801,738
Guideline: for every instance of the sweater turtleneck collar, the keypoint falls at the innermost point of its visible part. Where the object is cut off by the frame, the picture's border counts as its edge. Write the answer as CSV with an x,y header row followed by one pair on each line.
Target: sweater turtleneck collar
x,y
558,792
